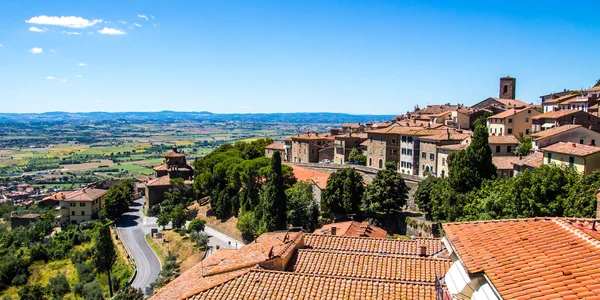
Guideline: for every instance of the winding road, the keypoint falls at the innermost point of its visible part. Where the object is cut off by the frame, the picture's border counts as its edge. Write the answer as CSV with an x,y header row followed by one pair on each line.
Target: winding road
x,y
134,227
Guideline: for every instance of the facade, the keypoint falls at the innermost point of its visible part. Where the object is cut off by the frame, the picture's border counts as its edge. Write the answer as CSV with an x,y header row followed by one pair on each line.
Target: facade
x,y
565,117
529,162
82,205
503,145
442,169
513,121
429,150
276,146
554,103
585,159
353,128
343,145
538,258
297,265
504,165
175,166
565,133
24,220
547,97
305,147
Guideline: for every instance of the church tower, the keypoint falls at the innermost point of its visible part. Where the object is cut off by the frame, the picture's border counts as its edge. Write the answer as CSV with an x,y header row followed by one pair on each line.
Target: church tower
x,y
508,86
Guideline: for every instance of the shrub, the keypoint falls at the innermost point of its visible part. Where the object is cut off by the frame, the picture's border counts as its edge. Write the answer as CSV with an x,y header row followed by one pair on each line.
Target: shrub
x,y
129,293
32,292
196,225
85,272
58,286
19,280
38,252
92,291
200,238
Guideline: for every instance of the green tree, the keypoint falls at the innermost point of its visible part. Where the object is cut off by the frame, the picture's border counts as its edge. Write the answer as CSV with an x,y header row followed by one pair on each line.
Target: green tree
x,y
178,217
117,200
105,254
390,165
200,238
469,167
163,220
525,147
481,120
196,225
344,192
387,193
273,199
32,292
248,224
129,293
302,210
423,196
356,157
58,286
597,83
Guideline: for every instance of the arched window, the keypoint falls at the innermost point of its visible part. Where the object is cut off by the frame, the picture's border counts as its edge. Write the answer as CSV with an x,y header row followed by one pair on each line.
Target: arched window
x,y
381,163
505,90
370,162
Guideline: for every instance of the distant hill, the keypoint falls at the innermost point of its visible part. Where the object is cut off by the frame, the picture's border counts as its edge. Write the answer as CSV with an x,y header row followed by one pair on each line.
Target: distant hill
x,y
173,116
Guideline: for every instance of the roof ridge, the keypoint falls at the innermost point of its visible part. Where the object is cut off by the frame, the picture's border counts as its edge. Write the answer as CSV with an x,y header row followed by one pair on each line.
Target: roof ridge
x,y
210,286
579,233
370,238
535,219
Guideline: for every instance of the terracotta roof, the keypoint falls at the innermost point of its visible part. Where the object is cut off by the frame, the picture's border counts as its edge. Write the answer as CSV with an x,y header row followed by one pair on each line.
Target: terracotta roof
x,y
352,125
534,160
560,99
504,162
302,174
373,245
276,146
572,149
511,102
310,136
376,266
85,195
160,181
594,89
353,229
224,266
353,135
509,112
454,147
179,168
595,106
556,114
263,284
553,131
542,258
174,154
446,135
503,139
57,196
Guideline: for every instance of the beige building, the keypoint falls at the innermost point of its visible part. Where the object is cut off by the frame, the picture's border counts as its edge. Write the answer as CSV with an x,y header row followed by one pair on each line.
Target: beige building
x,y
306,147
343,145
429,153
457,118
443,153
503,145
565,117
513,121
529,162
276,146
585,159
504,165
82,205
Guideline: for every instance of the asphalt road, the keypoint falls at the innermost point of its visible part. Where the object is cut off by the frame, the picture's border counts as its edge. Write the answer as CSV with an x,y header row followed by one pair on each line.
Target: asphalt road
x,y
134,228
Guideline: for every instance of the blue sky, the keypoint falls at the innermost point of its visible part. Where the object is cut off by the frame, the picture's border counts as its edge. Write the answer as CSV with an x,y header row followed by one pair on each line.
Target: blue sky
x,y
380,57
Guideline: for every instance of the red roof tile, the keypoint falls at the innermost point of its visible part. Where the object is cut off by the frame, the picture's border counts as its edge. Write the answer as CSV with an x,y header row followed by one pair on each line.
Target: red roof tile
x,y
373,245
534,160
556,114
85,195
303,174
572,149
353,229
276,146
553,131
504,162
539,258
503,139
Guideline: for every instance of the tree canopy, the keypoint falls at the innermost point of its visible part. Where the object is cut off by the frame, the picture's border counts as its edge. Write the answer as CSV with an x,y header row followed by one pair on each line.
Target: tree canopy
x,y
273,199
344,191
469,167
117,200
105,254
302,210
387,193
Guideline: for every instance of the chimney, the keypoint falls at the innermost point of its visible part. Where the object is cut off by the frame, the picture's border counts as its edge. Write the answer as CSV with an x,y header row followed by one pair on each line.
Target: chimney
x,y
333,230
423,249
573,145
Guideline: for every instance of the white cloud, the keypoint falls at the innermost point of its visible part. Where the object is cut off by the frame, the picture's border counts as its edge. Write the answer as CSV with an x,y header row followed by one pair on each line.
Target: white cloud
x,y
50,78
36,50
143,17
64,80
0,45
72,32
90,32
82,64
77,76
111,31
137,25
151,16
35,29
52,50
122,22
72,21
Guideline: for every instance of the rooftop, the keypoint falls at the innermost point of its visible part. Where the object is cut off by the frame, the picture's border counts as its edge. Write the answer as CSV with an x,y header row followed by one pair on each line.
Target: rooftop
x,y
534,160
503,139
594,89
310,136
373,245
85,194
572,149
276,146
353,229
539,258
560,99
509,112
504,162
553,131
302,174
511,103
556,114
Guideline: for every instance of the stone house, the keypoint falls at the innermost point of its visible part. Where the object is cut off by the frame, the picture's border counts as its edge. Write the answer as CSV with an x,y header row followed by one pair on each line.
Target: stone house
x,y
585,159
429,153
564,117
24,220
503,145
343,145
529,162
276,146
306,146
565,133
443,152
82,205
175,166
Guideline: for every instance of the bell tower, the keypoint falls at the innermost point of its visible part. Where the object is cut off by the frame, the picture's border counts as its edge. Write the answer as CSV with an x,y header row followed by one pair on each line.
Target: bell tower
x,y
508,86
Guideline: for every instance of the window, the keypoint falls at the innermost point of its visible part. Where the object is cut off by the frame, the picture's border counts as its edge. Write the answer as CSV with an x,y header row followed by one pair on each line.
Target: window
x,y
83,213
431,156
505,89
549,157
571,161
424,155
497,149
410,139
510,131
403,164
508,149
509,120
72,213
581,141
381,139
409,152
394,141
404,139
381,151
72,204
593,142
527,131
409,165
526,120
443,161
82,204
529,111
394,151
403,151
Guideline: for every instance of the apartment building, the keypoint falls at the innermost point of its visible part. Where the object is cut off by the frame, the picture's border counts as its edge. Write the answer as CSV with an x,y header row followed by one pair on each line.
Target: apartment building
x,y
566,133
344,144
503,145
585,159
513,121
429,149
82,205
564,117
554,103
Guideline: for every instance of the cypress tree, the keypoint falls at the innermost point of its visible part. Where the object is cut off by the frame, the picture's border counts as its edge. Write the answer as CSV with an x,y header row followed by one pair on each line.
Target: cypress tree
x,y
469,167
273,199
105,254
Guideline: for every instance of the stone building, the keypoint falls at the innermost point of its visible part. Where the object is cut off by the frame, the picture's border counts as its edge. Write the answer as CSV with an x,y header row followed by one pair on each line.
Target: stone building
x,y
513,121
503,145
24,220
306,146
583,158
566,133
343,145
175,166
564,117
82,205
276,146
429,149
